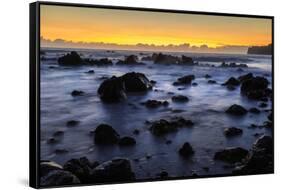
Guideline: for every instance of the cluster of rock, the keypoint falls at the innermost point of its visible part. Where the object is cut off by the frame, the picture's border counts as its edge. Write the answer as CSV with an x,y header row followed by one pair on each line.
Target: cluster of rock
x,y
81,170
163,126
130,60
160,58
233,64
185,80
116,88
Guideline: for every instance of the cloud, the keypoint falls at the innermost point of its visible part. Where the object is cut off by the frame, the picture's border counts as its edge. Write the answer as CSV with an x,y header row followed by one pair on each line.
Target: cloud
x,y
186,47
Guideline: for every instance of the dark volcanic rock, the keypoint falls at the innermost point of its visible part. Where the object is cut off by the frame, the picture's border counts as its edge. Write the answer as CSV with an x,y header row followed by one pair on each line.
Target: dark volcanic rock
x,y
207,76
232,131
155,103
186,150
212,82
52,141
82,168
127,141
162,126
105,134
115,170
98,62
254,110
232,81
52,174
90,72
255,88
260,158
186,60
180,98
130,60
231,155
184,80
72,59
165,59
77,93
136,82
233,64
236,110
72,123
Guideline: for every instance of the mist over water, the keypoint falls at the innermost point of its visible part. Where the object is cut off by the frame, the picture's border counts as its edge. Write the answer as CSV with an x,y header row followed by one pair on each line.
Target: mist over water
x,y
206,108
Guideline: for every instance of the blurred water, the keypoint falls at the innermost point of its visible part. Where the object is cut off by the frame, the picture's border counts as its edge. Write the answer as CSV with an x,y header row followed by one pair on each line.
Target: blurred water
x,y
205,108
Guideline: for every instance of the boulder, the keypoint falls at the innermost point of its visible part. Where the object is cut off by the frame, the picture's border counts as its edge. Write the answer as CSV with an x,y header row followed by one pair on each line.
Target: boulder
x,y
186,150
72,123
90,72
155,103
207,76
180,98
231,155
52,174
105,134
136,82
98,62
127,141
212,82
185,80
71,59
254,110
232,81
116,170
187,60
129,60
77,93
165,59
259,160
82,168
232,131
245,77
255,88
236,110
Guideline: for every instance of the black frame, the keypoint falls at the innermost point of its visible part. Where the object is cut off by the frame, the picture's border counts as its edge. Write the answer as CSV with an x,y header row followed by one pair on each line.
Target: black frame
x,y
34,84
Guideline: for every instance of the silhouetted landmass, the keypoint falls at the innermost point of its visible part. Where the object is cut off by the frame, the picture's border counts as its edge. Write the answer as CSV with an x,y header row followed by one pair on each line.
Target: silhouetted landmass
x,y
262,50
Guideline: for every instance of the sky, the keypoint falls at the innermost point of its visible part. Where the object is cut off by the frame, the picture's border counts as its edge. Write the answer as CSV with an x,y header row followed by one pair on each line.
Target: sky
x,y
80,27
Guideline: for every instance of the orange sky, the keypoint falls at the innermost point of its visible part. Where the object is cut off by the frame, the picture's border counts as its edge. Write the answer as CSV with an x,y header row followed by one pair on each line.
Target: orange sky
x,y
132,27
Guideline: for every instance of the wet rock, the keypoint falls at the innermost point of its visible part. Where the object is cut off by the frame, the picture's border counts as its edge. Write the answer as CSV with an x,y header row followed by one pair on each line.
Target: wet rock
x,y
262,105
207,76
212,82
81,167
105,134
52,174
186,150
153,82
98,62
260,158
255,88
243,78
232,81
180,98
127,141
71,59
136,82
115,170
232,131
187,60
185,80
254,110
72,123
230,87
233,64
231,155
155,103
77,93
165,59
58,133
52,141
162,126
194,84
236,110
90,72
130,60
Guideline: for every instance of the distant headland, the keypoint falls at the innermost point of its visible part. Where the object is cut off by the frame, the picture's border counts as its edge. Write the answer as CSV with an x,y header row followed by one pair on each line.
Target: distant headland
x,y
262,50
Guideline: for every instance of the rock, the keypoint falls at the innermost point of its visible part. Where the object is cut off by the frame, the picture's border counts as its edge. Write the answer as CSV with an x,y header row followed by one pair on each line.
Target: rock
x,y
254,110
155,103
136,82
105,134
207,76
255,88
72,123
231,155
165,59
185,80
162,126
77,93
52,174
194,84
71,59
243,78
52,141
232,81
58,133
115,170
136,132
239,70
180,98
212,82
230,87
233,64
163,174
153,82
186,150
112,90
127,141
232,131
98,62
186,60
236,110
90,72
82,168
262,105
260,158
130,60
